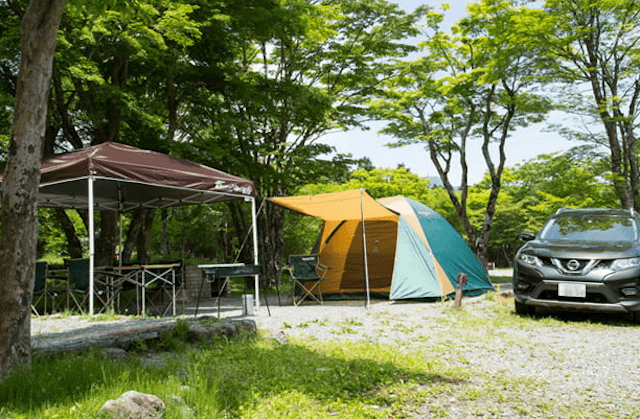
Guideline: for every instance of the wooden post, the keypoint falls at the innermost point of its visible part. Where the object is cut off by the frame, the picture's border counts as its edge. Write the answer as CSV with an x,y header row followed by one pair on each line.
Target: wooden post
x,y
461,282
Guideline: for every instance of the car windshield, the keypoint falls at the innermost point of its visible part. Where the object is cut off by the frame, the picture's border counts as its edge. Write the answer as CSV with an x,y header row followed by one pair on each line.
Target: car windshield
x,y
590,228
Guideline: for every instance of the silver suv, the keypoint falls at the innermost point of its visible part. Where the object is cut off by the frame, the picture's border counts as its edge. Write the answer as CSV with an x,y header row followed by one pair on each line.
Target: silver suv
x,y
582,259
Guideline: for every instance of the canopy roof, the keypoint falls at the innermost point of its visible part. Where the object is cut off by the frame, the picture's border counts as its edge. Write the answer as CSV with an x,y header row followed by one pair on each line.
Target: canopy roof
x,y
126,178
354,204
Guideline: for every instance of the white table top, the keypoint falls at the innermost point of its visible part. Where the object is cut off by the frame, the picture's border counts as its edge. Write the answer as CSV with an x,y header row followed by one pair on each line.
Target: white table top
x,y
221,265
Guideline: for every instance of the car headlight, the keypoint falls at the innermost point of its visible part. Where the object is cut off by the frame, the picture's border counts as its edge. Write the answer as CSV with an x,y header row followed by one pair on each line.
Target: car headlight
x,y
529,259
622,264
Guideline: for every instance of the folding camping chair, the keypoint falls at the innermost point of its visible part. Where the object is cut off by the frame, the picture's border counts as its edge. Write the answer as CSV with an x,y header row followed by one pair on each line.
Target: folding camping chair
x,y
104,292
79,286
306,275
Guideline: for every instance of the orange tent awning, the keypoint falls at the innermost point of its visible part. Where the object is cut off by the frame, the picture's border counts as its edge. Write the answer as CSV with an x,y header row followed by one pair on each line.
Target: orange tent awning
x,y
354,204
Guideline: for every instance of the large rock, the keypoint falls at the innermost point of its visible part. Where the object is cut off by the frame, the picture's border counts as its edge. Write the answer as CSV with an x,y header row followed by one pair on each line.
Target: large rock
x,y
134,405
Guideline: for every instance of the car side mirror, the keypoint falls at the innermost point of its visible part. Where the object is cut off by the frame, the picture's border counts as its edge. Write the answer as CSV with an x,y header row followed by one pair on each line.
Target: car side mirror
x,y
527,236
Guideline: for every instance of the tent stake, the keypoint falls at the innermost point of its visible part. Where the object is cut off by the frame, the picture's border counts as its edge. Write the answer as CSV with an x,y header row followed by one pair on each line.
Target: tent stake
x,y
461,282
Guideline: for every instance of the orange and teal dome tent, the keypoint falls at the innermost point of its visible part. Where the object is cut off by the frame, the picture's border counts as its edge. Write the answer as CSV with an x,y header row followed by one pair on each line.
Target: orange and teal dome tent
x,y
396,247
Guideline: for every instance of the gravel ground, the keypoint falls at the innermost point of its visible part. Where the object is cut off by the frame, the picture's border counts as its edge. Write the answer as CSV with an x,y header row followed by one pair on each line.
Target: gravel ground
x,y
584,362
577,362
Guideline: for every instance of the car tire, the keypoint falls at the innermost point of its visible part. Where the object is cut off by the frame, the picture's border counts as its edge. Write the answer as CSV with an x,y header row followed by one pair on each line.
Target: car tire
x,y
635,315
524,310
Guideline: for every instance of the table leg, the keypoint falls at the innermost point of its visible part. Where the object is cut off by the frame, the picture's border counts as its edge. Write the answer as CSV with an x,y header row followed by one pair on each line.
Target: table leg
x,y
144,294
173,290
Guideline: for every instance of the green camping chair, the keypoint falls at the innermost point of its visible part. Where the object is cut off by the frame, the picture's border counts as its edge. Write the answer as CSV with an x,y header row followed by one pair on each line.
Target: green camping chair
x,y
79,289
79,286
40,288
307,275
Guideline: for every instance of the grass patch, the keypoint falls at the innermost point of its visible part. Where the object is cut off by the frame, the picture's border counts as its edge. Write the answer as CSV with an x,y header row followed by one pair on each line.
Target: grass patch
x,y
500,279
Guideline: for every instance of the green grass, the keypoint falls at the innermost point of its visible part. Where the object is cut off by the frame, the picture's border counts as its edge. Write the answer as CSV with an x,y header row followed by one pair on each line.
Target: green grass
x,y
255,377
500,279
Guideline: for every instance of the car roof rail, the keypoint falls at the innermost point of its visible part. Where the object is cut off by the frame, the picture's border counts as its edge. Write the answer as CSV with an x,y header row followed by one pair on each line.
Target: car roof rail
x,y
563,209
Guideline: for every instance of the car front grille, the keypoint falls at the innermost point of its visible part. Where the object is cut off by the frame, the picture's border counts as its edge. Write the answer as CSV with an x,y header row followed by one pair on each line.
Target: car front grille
x,y
592,297
573,265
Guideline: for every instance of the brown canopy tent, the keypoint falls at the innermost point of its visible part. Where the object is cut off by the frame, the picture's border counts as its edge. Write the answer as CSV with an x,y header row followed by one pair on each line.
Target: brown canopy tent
x,y
118,177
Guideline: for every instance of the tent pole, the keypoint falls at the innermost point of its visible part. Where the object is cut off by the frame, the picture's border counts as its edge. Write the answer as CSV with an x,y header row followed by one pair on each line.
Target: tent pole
x,y
364,245
91,244
120,211
120,239
255,250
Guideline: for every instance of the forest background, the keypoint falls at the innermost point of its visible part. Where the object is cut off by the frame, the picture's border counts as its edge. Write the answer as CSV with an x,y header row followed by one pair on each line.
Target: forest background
x,y
253,87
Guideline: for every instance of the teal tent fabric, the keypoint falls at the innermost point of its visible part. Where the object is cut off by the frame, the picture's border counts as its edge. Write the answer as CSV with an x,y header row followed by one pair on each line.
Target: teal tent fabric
x,y
413,264
450,249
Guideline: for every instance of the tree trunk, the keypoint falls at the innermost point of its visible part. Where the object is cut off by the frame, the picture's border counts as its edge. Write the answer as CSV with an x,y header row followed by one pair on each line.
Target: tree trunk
x,y
106,241
241,226
143,242
75,247
20,183
132,236
165,246
271,224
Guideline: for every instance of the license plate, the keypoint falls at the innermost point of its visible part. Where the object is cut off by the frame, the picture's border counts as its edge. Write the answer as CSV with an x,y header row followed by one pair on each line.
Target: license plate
x,y
569,289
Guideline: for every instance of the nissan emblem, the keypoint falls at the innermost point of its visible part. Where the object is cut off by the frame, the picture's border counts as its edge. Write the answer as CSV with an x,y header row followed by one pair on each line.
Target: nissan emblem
x,y
573,265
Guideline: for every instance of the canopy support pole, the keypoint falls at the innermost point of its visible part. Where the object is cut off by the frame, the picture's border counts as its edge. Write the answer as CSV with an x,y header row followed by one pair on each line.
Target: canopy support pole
x,y
91,244
120,246
120,211
364,246
255,249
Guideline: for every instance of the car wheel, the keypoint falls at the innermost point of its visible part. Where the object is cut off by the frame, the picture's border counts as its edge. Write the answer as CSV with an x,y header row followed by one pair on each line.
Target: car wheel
x,y
524,310
635,315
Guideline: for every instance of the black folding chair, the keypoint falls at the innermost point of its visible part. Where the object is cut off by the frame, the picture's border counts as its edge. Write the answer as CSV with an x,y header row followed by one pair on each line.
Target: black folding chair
x,y
306,274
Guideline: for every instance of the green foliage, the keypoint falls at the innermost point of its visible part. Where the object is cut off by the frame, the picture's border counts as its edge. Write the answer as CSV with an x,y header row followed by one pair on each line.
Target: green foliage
x,y
51,239
174,340
251,87
385,182
380,183
537,188
574,179
475,84
196,232
592,56
9,59
300,233
113,67
298,71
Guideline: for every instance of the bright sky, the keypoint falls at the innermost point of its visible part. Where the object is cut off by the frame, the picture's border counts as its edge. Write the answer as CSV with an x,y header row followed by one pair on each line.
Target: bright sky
x,y
524,144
